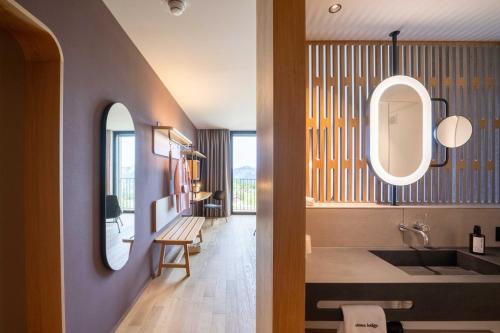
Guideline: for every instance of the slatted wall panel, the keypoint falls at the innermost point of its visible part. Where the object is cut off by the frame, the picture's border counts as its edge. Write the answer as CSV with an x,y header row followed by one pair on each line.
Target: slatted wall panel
x,y
341,77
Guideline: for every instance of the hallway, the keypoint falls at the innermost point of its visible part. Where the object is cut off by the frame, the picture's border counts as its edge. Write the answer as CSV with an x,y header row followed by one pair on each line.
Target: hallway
x,y
218,297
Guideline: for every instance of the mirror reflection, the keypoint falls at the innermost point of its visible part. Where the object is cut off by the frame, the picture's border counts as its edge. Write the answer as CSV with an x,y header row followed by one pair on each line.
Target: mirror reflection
x,y
119,183
400,125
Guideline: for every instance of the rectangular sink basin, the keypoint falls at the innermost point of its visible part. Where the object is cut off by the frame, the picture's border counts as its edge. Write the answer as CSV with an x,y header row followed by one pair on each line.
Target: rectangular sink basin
x,y
437,262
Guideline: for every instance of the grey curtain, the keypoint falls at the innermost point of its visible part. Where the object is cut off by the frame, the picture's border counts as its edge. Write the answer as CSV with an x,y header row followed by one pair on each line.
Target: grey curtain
x,y
215,172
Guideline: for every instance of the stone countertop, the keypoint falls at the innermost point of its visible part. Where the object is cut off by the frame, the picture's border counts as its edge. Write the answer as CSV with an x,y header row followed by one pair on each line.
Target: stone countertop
x,y
359,265
354,205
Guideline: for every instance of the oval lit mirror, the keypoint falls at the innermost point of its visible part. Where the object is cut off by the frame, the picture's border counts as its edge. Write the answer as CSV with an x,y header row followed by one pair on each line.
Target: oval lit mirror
x,y
454,131
117,185
400,130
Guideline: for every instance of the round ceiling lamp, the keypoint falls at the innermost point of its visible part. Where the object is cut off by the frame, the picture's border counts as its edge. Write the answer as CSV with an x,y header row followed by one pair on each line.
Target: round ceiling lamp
x,y
454,131
177,7
335,8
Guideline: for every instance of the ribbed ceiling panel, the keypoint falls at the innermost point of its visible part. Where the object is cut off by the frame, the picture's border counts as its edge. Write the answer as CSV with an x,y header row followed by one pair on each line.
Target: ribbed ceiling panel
x,y
439,20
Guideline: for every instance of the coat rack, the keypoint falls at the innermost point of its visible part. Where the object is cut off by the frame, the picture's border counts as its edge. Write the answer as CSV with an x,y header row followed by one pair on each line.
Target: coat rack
x,y
169,142
167,139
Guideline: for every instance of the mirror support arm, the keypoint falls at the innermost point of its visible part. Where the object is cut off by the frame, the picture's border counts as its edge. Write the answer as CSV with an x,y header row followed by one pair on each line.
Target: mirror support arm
x,y
447,114
395,59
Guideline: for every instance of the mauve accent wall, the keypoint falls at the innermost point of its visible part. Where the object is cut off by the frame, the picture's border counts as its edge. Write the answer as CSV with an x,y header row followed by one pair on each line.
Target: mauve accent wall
x,y
102,65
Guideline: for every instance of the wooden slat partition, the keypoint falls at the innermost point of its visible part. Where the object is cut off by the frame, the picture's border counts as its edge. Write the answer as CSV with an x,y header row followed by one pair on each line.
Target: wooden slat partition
x,y
340,78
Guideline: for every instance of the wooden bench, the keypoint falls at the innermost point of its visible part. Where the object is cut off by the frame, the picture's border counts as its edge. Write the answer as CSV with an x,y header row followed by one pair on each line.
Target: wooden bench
x,y
181,232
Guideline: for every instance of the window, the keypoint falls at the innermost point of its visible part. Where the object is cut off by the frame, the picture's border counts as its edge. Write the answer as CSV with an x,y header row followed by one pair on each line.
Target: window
x,y
124,169
244,169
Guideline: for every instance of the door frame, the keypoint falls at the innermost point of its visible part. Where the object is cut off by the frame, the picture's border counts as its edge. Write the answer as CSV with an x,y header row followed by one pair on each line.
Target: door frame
x,y
233,134
43,193
281,172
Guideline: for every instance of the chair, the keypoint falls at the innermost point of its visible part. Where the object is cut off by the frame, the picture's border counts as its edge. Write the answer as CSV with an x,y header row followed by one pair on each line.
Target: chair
x,y
217,196
113,211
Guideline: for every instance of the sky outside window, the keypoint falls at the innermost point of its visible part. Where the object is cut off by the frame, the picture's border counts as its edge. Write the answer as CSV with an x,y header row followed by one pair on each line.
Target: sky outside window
x,y
244,151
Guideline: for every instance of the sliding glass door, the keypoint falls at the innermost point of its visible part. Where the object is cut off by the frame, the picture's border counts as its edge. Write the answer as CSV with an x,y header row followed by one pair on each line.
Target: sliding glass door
x,y
244,169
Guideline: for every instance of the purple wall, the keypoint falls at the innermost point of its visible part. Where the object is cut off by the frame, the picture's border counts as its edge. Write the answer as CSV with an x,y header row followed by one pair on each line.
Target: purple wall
x,y
101,65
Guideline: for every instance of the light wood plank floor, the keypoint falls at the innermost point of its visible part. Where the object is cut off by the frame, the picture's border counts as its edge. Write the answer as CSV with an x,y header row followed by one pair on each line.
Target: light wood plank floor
x,y
218,297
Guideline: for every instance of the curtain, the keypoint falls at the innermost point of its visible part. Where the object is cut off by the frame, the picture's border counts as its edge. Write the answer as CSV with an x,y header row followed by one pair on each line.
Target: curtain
x,y
215,170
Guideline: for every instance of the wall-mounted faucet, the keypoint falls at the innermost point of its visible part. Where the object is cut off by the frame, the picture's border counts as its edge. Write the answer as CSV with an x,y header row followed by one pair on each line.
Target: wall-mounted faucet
x,y
419,229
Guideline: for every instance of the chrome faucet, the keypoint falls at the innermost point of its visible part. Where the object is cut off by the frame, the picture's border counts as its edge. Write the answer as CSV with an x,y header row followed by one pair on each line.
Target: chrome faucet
x,y
419,229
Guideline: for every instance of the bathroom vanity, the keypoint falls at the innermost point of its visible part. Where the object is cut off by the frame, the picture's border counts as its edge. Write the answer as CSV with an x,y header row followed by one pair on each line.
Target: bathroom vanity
x,y
412,285
360,256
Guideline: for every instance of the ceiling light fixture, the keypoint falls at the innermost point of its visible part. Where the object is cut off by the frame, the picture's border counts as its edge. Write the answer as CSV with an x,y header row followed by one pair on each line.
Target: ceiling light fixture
x,y
177,7
335,8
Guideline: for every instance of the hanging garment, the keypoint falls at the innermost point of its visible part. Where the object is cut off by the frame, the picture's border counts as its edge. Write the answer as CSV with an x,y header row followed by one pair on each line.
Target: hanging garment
x,y
182,185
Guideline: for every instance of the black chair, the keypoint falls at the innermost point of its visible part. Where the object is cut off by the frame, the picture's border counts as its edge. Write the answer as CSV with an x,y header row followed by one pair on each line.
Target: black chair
x,y
219,196
113,211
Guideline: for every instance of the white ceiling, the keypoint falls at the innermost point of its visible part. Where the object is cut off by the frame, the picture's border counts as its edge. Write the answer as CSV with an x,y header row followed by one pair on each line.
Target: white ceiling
x,y
417,19
205,57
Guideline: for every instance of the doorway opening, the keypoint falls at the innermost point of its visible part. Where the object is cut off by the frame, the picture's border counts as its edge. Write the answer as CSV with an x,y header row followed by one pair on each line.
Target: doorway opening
x,y
243,172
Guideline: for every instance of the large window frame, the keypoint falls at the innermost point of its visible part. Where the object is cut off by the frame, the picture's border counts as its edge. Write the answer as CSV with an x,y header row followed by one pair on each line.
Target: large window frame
x,y
233,134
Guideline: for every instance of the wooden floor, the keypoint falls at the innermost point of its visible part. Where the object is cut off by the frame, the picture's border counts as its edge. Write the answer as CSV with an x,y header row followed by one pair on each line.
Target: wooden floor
x,y
218,297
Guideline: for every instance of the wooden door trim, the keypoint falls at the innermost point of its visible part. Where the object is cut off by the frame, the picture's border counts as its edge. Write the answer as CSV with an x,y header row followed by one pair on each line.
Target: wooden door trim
x,y
281,141
43,161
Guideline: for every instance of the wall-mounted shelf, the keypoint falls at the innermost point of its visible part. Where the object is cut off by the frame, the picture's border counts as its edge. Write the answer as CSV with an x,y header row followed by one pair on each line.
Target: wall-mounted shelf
x,y
193,154
173,134
167,139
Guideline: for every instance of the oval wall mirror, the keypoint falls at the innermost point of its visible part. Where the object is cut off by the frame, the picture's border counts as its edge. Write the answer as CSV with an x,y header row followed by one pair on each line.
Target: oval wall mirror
x,y
454,131
400,130
117,185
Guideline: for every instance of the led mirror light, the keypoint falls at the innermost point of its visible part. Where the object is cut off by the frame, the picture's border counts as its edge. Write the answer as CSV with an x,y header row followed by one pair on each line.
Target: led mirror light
x,y
454,131
400,130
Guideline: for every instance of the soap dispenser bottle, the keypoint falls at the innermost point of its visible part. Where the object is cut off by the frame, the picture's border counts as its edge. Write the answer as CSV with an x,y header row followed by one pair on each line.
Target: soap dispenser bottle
x,y
477,241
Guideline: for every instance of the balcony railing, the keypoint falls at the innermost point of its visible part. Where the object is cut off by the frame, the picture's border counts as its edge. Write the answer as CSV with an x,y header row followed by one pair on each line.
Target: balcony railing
x,y
244,196
126,193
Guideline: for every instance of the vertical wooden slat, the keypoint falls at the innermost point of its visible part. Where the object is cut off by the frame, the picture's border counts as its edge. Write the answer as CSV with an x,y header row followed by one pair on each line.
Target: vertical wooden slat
x,y
490,112
330,72
466,102
496,134
315,90
348,85
338,121
475,143
322,122
308,121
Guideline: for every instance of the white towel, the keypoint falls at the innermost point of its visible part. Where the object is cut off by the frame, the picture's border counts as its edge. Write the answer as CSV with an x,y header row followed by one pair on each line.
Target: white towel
x,y
363,319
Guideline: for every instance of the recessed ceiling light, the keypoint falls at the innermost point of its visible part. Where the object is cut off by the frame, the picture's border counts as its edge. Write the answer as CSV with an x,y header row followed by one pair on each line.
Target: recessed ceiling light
x,y
335,8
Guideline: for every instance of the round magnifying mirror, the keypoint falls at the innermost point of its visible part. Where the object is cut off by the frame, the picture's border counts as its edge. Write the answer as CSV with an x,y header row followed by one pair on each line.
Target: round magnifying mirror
x,y
454,131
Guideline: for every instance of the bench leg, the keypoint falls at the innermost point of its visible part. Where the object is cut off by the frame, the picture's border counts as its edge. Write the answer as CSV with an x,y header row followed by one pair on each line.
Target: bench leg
x,y
186,259
162,254
201,237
